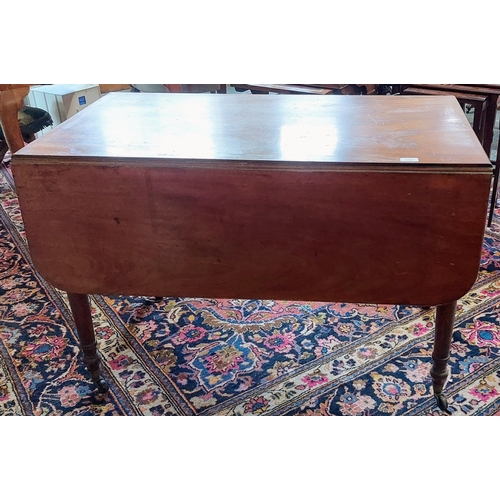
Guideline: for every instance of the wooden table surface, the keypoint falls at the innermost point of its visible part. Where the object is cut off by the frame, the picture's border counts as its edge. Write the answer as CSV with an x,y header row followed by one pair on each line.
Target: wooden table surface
x,y
285,197
378,199
213,127
491,92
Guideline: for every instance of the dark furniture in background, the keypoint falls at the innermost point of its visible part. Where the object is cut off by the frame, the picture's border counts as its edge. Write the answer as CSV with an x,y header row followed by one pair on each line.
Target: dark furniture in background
x,y
307,88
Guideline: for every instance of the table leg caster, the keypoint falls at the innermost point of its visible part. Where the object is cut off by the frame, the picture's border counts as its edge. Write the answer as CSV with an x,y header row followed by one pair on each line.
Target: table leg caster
x,y
94,367
102,385
442,403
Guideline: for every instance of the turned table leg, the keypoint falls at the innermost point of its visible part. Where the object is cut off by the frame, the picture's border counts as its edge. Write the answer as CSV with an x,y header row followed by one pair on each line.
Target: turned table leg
x,y
445,319
80,307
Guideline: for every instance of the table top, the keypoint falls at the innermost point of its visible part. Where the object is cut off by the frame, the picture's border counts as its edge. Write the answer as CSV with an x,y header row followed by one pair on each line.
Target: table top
x,y
210,196
329,130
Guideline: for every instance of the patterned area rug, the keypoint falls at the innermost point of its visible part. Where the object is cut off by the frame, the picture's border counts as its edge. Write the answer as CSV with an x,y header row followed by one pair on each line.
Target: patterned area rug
x,y
200,356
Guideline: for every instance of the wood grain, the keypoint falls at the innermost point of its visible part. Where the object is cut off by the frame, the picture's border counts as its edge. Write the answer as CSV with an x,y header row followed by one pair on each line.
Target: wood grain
x,y
232,213
337,198
335,236
338,130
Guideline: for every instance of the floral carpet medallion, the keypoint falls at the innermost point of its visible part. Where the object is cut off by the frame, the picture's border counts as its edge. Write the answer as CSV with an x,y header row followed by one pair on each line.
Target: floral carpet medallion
x,y
203,356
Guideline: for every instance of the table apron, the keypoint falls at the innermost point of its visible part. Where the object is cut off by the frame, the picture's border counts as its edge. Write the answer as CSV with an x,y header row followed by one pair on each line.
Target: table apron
x,y
402,237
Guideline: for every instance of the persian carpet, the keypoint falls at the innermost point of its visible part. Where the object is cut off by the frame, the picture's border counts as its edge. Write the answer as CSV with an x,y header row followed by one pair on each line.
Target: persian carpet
x,y
202,356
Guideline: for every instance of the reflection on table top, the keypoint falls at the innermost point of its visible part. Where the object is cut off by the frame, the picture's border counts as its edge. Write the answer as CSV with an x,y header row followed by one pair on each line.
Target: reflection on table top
x,y
290,128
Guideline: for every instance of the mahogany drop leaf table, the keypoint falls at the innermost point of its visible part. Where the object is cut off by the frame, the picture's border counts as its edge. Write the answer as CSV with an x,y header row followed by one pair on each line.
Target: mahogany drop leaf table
x,y
371,199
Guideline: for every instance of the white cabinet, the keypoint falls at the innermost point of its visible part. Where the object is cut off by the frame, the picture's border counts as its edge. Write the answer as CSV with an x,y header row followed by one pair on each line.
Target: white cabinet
x,y
62,101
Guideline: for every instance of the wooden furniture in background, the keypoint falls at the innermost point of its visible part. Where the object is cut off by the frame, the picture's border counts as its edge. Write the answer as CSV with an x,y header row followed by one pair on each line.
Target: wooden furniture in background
x,y
193,87
494,191
347,89
113,87
266,88
345,199
309,88
11,100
